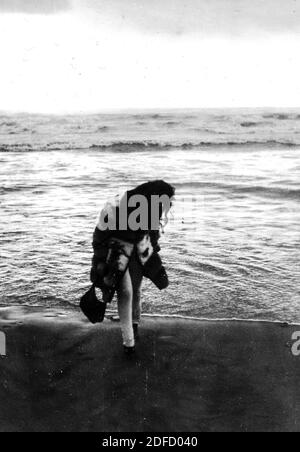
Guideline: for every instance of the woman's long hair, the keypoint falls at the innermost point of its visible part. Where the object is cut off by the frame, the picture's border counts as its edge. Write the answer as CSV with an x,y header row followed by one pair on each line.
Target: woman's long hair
x,y
156,188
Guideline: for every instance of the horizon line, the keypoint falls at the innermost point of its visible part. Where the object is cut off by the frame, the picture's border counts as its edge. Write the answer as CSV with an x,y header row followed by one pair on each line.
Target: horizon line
x,y
140,110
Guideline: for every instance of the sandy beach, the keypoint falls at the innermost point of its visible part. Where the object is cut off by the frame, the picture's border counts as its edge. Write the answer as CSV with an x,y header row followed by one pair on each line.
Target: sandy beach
x,y
63,375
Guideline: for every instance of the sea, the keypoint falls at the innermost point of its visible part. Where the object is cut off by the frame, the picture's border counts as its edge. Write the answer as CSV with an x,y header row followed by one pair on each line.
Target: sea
x,y
232,245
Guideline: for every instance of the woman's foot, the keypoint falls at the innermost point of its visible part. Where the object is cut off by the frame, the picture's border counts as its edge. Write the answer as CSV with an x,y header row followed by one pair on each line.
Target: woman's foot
x,y
129,350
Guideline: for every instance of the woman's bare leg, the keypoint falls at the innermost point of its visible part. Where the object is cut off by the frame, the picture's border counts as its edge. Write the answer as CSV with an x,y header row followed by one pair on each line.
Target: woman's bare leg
x,y
136,274
125,298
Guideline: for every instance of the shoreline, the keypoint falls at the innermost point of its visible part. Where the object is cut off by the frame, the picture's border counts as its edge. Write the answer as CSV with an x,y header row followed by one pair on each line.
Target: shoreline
x,y
109,313
63,374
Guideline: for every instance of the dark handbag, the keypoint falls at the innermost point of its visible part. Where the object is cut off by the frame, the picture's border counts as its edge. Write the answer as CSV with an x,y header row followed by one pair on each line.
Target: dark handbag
x,y
92,308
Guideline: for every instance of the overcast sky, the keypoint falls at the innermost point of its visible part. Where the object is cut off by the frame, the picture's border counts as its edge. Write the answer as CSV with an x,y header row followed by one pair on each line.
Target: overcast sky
x,y
87,55
35,6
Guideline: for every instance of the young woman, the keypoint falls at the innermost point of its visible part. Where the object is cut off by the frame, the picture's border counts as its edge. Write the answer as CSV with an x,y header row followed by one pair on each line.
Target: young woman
x,y
126,249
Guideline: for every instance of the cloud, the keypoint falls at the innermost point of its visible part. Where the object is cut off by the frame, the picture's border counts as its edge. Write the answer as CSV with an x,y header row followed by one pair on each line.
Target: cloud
x,y
200,16
177,17
34,6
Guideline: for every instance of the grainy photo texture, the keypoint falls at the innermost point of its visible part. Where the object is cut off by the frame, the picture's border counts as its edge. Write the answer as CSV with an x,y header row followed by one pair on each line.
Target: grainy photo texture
x,y
149,234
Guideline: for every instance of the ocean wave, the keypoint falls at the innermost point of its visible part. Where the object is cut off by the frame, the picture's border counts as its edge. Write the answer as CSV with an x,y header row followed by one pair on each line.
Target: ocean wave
x,y
103,129
20,188
281,116
210,131
250,124
17,148
239,189
148,145
8,124
172,123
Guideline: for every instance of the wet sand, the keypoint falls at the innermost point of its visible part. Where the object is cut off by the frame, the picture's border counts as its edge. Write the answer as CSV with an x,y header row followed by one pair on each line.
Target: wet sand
x,y
62,374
